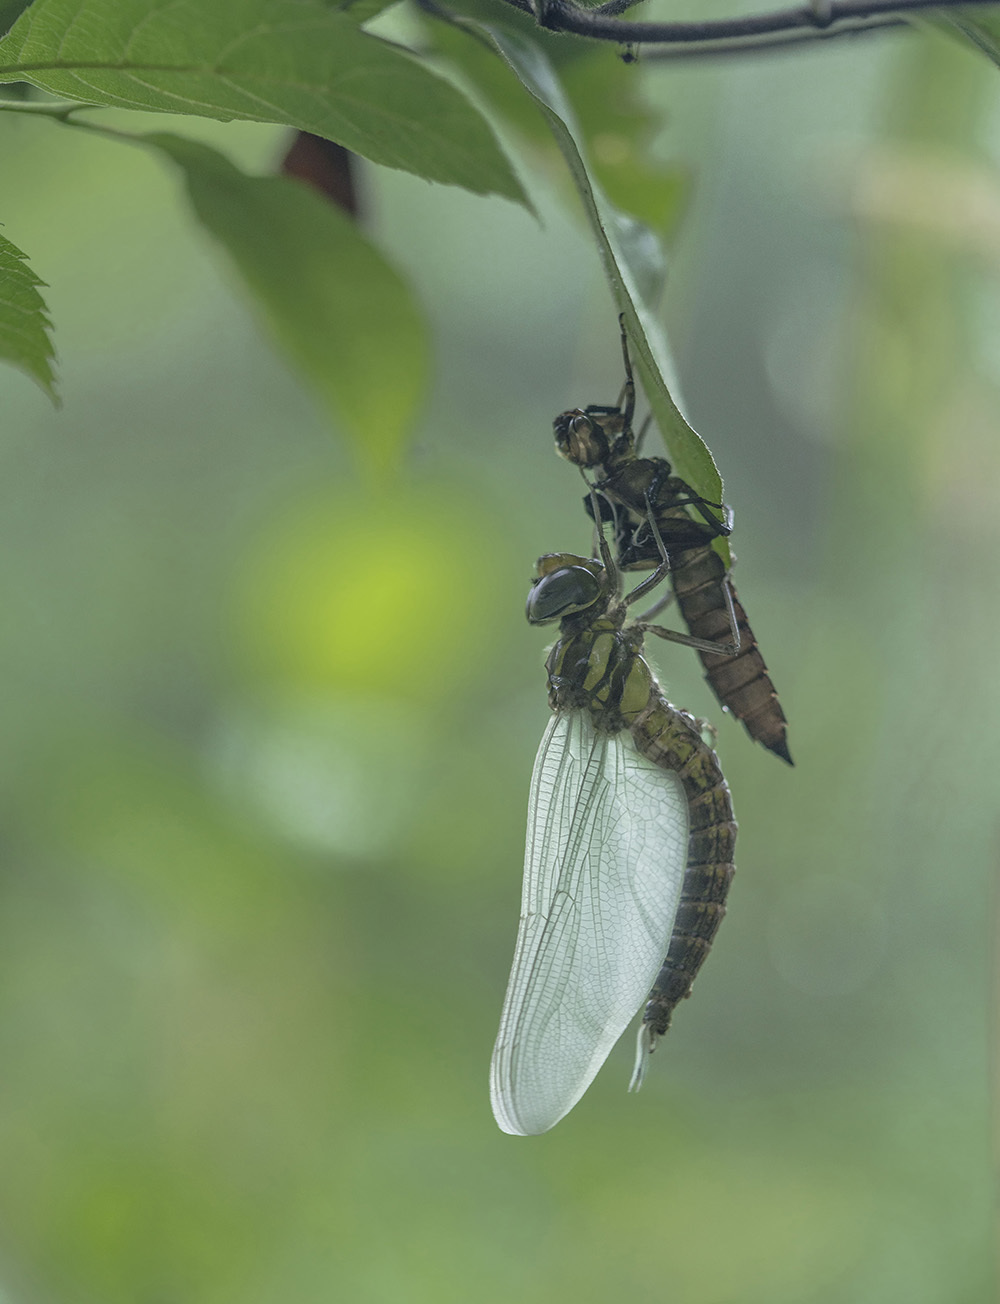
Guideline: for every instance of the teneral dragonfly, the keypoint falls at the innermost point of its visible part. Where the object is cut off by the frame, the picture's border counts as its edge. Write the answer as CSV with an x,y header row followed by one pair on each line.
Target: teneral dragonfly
x,y
658,517
628,855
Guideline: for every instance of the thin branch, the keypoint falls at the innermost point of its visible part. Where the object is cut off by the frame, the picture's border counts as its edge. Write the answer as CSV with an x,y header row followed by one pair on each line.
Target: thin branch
x,y
833,16
612,7
781,43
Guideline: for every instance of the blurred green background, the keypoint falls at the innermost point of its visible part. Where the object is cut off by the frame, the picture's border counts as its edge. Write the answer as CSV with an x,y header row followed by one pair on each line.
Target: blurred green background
x,y
269,727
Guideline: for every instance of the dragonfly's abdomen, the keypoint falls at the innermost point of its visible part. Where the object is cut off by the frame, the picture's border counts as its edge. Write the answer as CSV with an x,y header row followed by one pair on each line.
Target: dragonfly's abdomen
x,y
671,739
741,682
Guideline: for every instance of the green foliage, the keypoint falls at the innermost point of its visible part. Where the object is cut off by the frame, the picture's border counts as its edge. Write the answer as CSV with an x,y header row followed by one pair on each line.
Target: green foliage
x,y
296,62
10,11
607,104
619,128
976,28
634,267
330,300
24,323
268,727
361,11
327,295
336,307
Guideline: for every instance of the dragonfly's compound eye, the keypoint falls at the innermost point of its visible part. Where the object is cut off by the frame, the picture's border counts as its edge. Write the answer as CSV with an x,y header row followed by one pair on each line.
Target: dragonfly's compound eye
x,y
580,439
562,593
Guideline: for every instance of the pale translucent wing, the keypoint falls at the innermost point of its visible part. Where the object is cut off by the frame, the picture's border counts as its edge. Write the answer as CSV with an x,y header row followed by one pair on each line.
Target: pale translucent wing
x,y
603,870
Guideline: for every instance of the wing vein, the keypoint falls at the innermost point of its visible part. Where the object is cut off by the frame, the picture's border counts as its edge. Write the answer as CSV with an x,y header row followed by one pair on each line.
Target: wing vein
x,y
604,863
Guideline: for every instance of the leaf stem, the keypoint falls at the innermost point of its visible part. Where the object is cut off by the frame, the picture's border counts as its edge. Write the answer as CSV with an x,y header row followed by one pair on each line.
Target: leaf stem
x,y
43,109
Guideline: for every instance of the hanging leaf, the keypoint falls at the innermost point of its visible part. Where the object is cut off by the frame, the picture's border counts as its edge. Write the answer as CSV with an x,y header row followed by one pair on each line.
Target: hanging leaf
x,y
344,318
633,263
979,28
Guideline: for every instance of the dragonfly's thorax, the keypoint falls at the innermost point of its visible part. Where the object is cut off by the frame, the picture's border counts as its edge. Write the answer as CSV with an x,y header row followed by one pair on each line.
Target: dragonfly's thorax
x,y
595,665
639,487
599,670
646,482
629,478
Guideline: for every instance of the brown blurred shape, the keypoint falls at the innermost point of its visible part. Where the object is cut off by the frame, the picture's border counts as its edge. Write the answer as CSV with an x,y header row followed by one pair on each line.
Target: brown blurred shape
x,y
326,166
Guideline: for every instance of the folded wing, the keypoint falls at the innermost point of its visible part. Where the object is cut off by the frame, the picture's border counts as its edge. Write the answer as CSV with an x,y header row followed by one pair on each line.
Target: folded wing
x,y
603,870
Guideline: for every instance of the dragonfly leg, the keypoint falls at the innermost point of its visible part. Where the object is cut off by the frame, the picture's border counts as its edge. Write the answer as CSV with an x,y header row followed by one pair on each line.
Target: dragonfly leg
x,y
703,644
606,557
659,606
703,506
734,624
625,407
657,577
663,570
720,649
611,512
628,392
688,640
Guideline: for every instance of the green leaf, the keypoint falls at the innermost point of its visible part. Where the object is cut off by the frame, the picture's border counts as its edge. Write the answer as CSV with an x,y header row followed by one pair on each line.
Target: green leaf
x,y
465,47
633,264
979,28
24,322
617,125
604,97
297,62
361,11
341,314
10,11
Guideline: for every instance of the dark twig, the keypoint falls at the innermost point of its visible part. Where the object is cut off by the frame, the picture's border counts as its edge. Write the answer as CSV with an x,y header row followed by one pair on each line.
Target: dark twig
x,y
613,7
833,16
780,43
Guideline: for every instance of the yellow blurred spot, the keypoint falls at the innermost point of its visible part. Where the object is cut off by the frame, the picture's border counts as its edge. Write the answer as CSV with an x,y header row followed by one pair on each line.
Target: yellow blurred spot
x,y
954,201
610,148
385,594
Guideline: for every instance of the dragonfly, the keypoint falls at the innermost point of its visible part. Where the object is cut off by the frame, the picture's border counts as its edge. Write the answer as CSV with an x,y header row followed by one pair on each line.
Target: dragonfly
x,y
640,493
628,855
